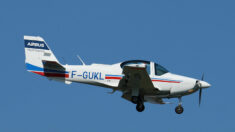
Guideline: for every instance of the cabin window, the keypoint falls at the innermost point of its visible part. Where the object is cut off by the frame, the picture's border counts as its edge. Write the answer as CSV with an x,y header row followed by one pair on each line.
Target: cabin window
x,y
160,70
148,68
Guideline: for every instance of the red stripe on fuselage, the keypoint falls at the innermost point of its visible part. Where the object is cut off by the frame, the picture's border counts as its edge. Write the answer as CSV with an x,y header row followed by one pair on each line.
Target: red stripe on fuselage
x,y
118,78
47,74
113,77
165,81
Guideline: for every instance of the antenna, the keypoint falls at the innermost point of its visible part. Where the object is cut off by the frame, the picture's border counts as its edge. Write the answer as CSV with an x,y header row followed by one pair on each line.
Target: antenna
x,y
63,60
81,60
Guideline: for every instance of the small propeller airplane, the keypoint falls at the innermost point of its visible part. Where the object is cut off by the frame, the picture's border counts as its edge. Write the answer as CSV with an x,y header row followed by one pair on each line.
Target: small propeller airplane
x,y
139,80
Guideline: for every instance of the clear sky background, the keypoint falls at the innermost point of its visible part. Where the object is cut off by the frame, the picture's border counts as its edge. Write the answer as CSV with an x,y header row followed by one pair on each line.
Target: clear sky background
x,y
187,37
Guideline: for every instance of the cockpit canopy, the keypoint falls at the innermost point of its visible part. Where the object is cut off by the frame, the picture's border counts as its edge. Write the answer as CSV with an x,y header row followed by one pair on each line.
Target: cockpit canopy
x,y
158,69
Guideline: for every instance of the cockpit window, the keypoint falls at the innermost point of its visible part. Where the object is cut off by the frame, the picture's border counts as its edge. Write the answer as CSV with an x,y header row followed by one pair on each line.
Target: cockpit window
x,y
160,70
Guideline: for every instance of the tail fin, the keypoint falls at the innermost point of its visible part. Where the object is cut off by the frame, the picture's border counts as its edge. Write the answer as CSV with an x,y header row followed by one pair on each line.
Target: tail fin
x,y
40,59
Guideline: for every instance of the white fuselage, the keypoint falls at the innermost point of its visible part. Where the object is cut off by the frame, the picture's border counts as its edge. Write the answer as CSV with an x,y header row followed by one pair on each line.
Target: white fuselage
x,y
110,75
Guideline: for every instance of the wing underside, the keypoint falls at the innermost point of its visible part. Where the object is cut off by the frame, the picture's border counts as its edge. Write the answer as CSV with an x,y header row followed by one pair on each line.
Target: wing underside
x,y
137,78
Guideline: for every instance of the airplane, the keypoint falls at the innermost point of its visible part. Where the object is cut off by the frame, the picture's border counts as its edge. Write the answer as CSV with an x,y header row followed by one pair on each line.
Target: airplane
x,y
139,81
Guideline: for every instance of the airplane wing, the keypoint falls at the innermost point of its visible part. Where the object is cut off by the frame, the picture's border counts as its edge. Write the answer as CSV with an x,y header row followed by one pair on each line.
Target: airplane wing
x,y
136,77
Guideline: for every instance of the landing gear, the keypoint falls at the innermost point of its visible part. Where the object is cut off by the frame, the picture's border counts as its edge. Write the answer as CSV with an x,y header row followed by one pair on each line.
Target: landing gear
x,y
140,107
179,109
139,103
134,99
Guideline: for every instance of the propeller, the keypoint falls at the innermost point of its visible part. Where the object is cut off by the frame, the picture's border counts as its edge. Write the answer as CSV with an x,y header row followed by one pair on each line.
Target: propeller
x,y
199,85
200,96
200,90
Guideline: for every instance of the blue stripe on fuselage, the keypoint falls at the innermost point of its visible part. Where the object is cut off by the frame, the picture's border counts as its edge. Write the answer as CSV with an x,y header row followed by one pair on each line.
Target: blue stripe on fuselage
x,y
36,68
114,75
166,79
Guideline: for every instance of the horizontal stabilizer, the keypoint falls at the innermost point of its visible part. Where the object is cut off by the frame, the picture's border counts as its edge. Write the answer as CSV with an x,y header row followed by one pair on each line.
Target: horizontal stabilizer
x,y
52,65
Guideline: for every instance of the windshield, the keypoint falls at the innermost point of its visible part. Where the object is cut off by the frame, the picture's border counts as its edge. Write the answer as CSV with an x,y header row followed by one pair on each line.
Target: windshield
x,y
160,70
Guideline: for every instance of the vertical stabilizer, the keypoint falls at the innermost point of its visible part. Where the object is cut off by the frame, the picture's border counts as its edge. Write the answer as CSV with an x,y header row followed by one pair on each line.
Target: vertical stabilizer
x,y
40,59
37,50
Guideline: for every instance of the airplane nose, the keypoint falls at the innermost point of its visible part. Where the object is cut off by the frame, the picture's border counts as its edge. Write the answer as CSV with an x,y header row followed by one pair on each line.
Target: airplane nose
x,y
204,84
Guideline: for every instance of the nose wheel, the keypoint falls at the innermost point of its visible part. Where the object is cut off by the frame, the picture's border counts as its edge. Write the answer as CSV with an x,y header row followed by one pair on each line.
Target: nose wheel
x,y
179,109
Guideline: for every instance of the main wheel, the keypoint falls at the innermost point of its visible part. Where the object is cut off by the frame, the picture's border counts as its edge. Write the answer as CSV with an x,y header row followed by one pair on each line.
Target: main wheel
x,y
140,107
134,99
179,109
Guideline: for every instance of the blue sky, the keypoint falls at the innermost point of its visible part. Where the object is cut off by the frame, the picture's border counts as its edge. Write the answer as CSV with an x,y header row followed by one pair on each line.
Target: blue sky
x,y
187,37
